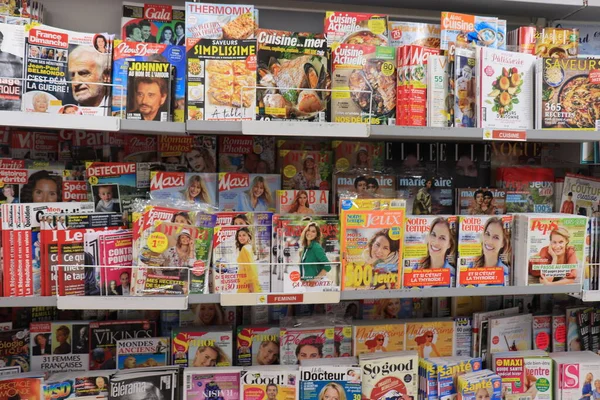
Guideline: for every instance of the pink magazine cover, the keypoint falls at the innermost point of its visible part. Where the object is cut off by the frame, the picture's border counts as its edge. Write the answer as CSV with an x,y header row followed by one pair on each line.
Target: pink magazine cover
x,y
116,249
243,218
180,186
204,385
248,192
307,202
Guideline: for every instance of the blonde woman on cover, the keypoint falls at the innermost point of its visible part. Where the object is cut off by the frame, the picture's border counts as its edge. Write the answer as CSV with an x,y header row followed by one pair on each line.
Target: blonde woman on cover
x,y
208,314
247,268
309,177
387,309
210,356
332,391
557,252
196,191
183,254
300,204
257,198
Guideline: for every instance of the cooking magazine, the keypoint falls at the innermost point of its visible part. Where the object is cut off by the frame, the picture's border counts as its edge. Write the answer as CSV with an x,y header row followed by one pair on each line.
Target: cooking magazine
x,y
356,28
220,21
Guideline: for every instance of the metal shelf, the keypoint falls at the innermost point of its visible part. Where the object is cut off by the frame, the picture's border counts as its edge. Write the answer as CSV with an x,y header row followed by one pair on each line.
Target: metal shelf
x,y
214,127
46,301
254,299
122,303
588,295
59,121
153,127
204,298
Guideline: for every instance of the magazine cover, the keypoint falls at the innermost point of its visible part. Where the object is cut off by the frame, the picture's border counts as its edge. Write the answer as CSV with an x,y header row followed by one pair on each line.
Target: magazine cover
x,y
408,158
463,30
362,186
188,187
537,181
115,249
479,384
365,75
299,344
358,155
77,385
126,52
303,170
171,151
581,370
469,164
248,192
524,375
139,149
35,146
279,384
480,201
153,23
485,255
293,80
430,338
143,352
371,243
257,346
330,382
149,91
161,384
15,349
580,195
60,346
356,28
378,309
221,78
376,337
392,375
305,202
464,80
426,195
205,384
12,50
202,348
105,334
430,251
247,154
542,332
241,257
58,55
511,333
220,21
202,157
405,33
21,388
243,218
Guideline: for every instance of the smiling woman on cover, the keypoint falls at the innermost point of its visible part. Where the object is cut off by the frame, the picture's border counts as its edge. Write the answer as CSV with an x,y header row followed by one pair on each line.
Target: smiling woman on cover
x,y
181,255
441,247
382,252
312,253
258,198
300,204
247,269
557,252
309,177
196,191
495,247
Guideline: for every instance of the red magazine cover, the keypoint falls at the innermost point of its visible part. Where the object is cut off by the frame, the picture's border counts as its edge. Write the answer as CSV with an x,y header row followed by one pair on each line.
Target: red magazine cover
x,y
361,155
141,148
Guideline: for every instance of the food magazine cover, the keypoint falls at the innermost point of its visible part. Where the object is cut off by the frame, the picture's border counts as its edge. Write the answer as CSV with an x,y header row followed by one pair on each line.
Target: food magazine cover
x,y
12,50
103,336
248,192
60,346
220,21
284,384
362,186
358,155
247,154
211,347
221,76
153,23
485,255
144,352
305,202
126,52
305,343
376,337
426,195
316,382
257,345
356,28
461,30
241,258
204,384
395,375
365,76
15,349
580,195
480,201
372,243
406,33
304,170
54,56
190,187
430,338
430,251
293,80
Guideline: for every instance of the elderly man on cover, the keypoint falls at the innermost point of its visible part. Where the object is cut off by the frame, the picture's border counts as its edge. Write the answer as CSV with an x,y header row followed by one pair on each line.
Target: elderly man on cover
x,y
88,66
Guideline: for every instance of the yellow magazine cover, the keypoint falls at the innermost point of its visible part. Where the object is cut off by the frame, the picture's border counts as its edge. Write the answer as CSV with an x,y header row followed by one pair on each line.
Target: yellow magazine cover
x,y
430,338
377,337
371,246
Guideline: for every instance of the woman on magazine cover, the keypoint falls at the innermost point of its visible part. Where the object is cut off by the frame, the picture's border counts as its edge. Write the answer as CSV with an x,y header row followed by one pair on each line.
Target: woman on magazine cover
x,y
9,193
42,188
209,314
200,160
182,217
376,345
422,203
382,253
309,177
426,347
196,191
309,348
268,353
257,198
362,159
495,247
210,356
387,309
557,252
441,247
183,254
312,252
166,37
247,268
300,204
332,391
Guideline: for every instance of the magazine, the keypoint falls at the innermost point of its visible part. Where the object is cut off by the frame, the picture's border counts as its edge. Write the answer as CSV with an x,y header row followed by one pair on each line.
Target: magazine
x,y
511,333
525,373
366,222
21,387
480,383
140,149
211,383
430,338
464,80
305,202
481,201
298,344
426,195
248,192
153,23
256,345
59,346
437,91
317,381
537,181
362,186
159,383
304,170
284,383
188,187
173,149
87,385
430,251
293,81
345,27
143,352
367,156
375,337
542,332
247,154
115,251
11,53
578,367
149,91
54,56
220,21
15,349
389,375
580,195
405,33
105,334
221,78
198,347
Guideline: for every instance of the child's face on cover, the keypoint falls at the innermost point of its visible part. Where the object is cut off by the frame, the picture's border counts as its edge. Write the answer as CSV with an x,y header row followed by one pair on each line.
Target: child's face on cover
x,y
180,219
105,194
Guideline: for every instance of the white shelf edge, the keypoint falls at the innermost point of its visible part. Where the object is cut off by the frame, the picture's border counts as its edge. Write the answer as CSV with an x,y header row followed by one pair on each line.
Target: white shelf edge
x,y
59,121
122,303
153,127
589,295
300,128
36,301
254,299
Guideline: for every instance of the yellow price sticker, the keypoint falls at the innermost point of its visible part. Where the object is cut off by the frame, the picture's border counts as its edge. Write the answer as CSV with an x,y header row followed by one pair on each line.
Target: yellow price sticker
x,y
158,242
1,183
388,68
342,164
93,180
289,171
377,26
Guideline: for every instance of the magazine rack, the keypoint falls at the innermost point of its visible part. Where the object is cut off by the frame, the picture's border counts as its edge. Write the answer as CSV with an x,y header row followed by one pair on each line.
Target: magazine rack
x,y
84,287
287,285
274,127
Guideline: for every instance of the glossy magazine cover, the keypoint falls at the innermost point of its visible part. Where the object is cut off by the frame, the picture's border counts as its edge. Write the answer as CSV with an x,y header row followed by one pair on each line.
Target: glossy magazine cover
x,y
60,346
202,347
248,192
190,187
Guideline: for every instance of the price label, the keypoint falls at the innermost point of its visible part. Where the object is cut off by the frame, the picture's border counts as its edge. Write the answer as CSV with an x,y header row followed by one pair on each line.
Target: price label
x,y
505,135
158,242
